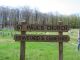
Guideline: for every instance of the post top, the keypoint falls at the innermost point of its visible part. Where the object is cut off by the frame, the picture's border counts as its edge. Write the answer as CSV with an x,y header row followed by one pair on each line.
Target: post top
x,y
60,22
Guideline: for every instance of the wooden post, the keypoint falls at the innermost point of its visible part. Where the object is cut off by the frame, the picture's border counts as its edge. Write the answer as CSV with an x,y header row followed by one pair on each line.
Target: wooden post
x,y
60,49
22,47
60,44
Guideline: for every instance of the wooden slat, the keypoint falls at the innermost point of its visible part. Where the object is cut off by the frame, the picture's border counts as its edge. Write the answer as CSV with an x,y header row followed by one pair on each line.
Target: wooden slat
x,y
42,38
38,27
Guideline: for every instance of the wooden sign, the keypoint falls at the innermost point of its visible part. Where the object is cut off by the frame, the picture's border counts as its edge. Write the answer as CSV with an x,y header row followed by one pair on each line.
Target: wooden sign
x,y
23,27
42,38
38,27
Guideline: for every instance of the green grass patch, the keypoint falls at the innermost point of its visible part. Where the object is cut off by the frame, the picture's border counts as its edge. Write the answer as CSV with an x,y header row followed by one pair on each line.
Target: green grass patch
x,y
10,50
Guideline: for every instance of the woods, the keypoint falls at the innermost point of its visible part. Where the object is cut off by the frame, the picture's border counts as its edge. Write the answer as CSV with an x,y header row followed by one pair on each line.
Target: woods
x,y
10,16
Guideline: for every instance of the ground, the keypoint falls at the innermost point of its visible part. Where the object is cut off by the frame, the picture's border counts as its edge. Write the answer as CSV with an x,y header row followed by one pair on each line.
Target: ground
x,y
10,50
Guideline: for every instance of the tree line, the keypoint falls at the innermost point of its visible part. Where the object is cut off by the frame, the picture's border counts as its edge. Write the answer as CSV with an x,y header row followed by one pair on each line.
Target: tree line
x,y
10,16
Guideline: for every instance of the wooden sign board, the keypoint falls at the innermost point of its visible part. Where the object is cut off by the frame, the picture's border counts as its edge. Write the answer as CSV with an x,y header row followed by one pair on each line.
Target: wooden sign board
x,y
23,27
38,27
42,38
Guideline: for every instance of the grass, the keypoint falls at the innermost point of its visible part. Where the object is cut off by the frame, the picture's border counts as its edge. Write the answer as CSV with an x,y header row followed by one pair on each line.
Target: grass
x,y
10,50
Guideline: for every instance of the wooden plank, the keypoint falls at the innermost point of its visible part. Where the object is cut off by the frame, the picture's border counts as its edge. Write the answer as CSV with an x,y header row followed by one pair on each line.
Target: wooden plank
x,y
42,38
38,27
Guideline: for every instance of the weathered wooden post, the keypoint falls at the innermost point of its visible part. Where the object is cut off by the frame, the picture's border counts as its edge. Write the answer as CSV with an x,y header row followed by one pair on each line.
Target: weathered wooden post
x,y
22,43
60,44
20,27
22,47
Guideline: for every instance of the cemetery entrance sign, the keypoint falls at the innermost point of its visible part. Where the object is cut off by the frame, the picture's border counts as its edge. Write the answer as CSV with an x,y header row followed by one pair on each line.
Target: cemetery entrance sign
x,y
23,37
